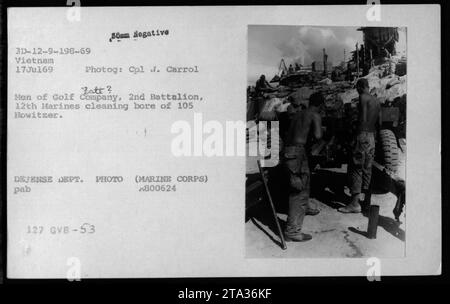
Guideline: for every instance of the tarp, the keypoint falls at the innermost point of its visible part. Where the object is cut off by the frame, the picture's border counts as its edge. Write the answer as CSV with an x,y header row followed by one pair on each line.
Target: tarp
x,y
391,87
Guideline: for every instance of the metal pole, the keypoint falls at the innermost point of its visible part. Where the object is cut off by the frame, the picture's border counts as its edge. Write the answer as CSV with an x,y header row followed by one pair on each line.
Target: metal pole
x,y
357,61
275,216
373,221
371,59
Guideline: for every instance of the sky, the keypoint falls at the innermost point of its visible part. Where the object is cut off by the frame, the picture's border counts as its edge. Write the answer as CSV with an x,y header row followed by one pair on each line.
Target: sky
x,y
267,44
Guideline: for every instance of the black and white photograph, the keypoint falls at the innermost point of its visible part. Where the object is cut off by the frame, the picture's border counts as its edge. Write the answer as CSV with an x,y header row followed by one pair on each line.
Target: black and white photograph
x,y
326,107
132,155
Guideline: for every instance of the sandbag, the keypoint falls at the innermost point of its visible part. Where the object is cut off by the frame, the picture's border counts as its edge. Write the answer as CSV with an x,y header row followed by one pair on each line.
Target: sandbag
x,y
348,96
301,96
326,81
270,107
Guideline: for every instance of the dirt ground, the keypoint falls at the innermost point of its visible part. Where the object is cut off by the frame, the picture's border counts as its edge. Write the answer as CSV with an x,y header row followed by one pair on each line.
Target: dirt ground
x,y
334,234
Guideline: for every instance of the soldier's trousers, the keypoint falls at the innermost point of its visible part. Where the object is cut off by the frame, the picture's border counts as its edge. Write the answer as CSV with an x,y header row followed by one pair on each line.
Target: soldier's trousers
x,y
299,179
360,166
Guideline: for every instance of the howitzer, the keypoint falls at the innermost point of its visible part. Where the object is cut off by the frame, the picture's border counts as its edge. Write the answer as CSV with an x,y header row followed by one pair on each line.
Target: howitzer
x,y
397,186
324,152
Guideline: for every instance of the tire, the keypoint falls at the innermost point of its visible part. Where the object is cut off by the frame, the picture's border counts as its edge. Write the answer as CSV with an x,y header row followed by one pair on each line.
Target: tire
x,y
389,150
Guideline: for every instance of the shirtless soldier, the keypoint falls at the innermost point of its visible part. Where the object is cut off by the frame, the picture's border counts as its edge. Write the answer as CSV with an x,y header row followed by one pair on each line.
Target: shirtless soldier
x,y
360,166
297,165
